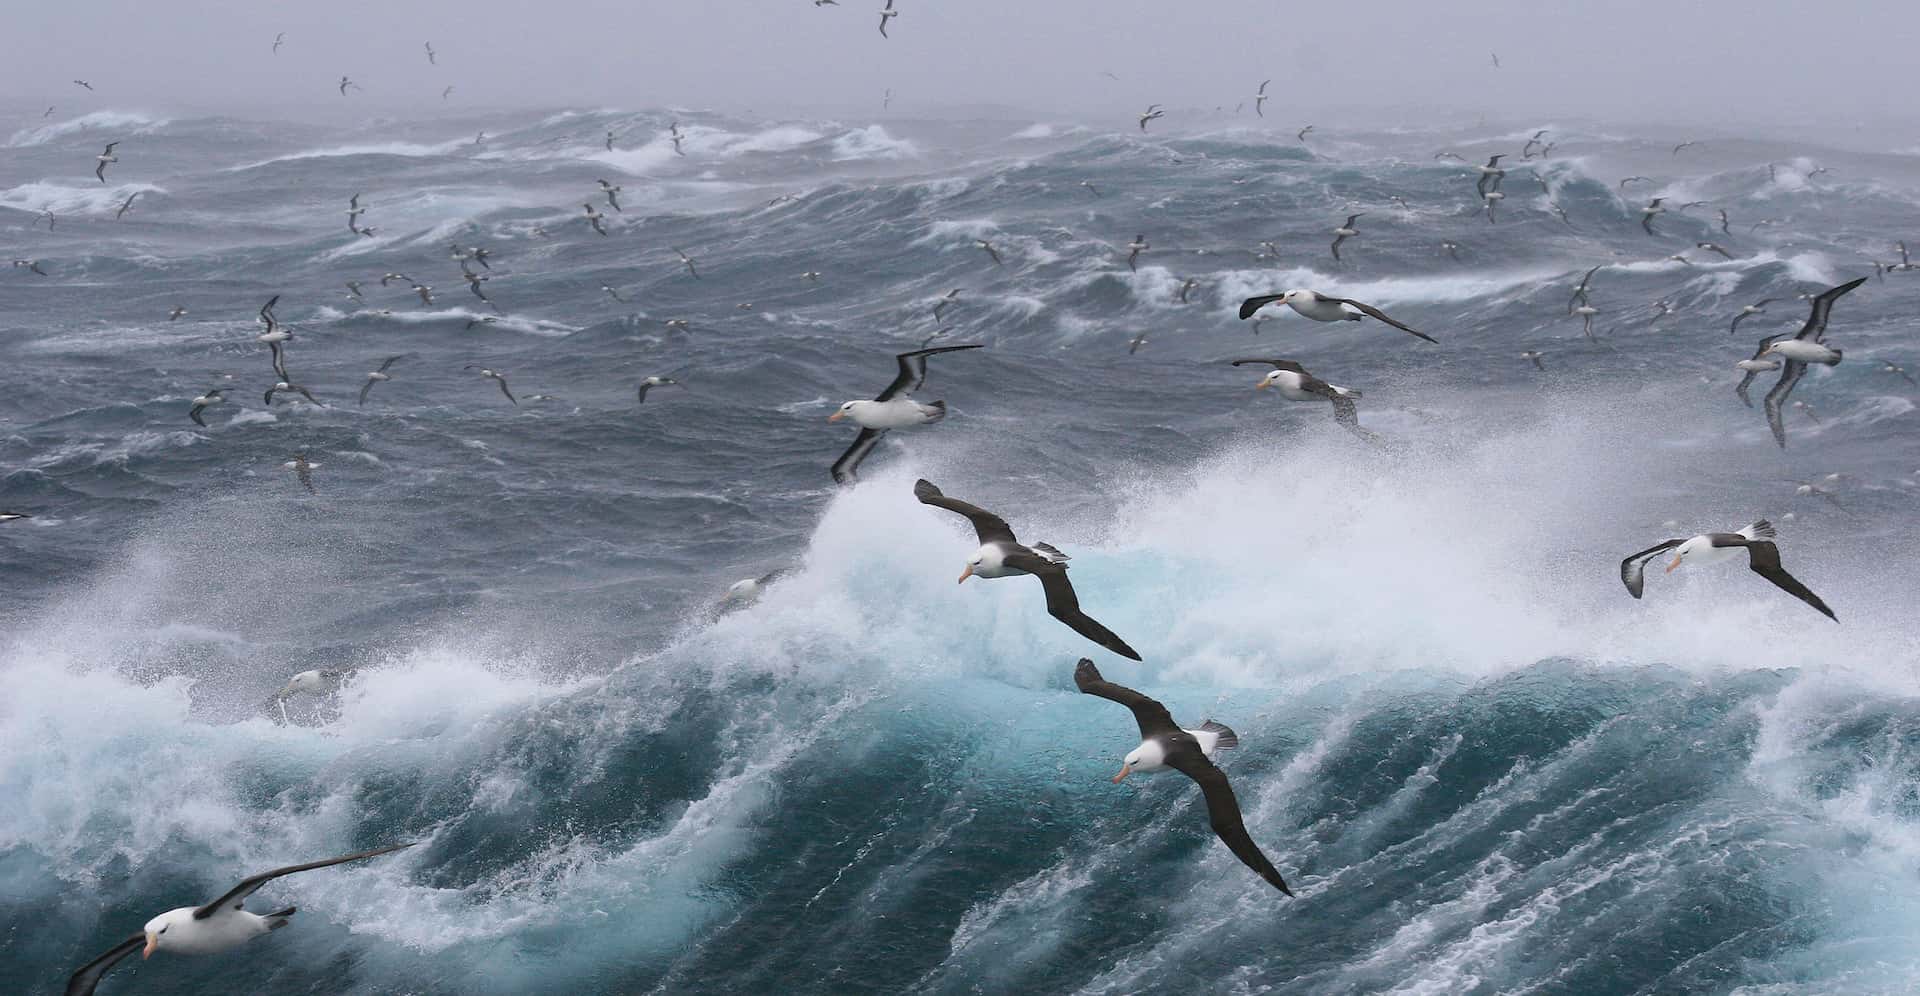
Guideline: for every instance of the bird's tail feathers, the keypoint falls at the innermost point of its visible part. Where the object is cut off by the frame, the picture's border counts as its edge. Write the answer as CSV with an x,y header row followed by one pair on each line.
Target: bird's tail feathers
x,y
935,411
278,918
1224,738
1345,392
1837,354
1759,531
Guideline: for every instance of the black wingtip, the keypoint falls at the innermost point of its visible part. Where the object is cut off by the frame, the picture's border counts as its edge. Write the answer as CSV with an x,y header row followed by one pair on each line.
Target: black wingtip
x,y
1253,304
1120,647
923,489
1084,673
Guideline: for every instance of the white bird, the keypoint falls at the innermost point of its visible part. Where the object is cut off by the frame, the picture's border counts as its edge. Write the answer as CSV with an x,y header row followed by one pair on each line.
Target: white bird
x,y
652,382
886,15
1260,98
377,376
103,159
213,396
1345,232
1292,382
1324,308
1152,113
1713,548
595,218
892,408
218,926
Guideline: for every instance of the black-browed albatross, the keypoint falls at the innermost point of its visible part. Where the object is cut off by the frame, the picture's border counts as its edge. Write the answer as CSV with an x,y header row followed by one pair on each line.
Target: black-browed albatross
x,y
1712,548
1001,555
1163,744
1324,308
1794,353
221,925
890,409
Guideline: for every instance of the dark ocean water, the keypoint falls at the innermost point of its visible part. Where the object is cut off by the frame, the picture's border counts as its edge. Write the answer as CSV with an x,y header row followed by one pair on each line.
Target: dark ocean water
x,y
1482,765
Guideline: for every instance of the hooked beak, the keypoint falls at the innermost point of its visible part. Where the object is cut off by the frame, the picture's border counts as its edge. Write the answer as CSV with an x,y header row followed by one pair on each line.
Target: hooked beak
x,y
1125,770
1261,386
964,575
153,942
836,416
1676,563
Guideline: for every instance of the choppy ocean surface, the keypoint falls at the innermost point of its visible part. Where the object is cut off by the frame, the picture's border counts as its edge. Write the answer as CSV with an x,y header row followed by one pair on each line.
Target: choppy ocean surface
x,y
1483,766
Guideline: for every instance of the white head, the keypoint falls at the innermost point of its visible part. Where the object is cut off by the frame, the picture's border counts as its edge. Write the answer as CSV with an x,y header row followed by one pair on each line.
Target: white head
x,y
1690,548
1149,756
984,562
847,410
1269,380
156,928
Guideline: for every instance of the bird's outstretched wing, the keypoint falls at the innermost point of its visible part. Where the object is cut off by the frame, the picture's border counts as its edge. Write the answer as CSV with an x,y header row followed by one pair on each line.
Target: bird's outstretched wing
x,y
1148,712
913,370
1223,812
1287,365
238,894
1375,313
83,981
1253,304
1064,605
988,526
1816,327
1790,375
1633,570
845,469
1764,558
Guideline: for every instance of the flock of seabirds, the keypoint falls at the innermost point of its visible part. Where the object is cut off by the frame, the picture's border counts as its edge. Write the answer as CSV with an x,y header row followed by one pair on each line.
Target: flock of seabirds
x,y
224,923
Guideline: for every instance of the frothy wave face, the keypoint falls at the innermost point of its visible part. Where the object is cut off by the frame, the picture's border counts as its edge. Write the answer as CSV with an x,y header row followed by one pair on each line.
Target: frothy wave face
x,y
1480,763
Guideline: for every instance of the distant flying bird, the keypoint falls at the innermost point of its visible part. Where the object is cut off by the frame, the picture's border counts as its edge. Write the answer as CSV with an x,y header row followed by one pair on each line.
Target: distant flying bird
x,y
83,83
377,376
29,264
1152,113
1302,133
1534,356
279,40
303,469
1747,312
1682,145
1490,175
613,193
1135,248
1634,179
687,261
448,92
430,59
1496,59
344,83
103,159
886,15
1710,247
499,378
1345,232
125,205
595,218
213,397
990,250
652,382
1260,98
1650,212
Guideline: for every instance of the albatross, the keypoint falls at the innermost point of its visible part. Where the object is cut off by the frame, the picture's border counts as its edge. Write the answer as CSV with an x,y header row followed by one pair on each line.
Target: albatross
x,y
1295,384
1325,308
1000,555
890,409
1345,232
377,376
221,925
1713,548
1163,745
102,160
1794,352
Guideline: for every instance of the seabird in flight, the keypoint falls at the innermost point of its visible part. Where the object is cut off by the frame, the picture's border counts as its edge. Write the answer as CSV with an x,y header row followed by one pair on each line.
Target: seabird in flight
x,y
283,385
303,469
687,261
279,40
1534,355
10,516
1152,113
1493,199
652,382
1260,98
1894,368
1490,175
221,925
1002,555
1302,133
376,376
613,194
174,315
83,83
1135,248
501,379
1803,347
988,248
1163,745
945,300
673,130
890,409
103,159
1650,212
32,265
344,83
213,397
594,218
1711,247
1345,232
1686,144
1758,308
1294,383
613,293
1712,548
887,14
1187,286
430,59
317,681
124,205
1323,308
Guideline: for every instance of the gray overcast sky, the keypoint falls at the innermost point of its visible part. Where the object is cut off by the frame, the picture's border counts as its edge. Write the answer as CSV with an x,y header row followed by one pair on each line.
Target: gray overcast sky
x,y
1753,61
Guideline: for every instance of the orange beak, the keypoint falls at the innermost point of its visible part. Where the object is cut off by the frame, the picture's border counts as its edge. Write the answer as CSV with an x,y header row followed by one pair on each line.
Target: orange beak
x,y
153,942
836,416
1125,770
1261,386
964,575
1676,563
